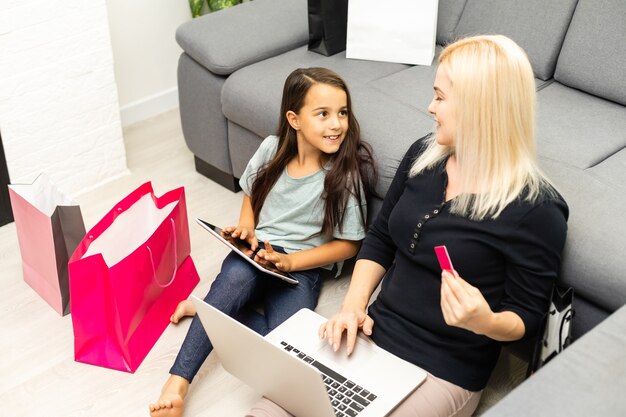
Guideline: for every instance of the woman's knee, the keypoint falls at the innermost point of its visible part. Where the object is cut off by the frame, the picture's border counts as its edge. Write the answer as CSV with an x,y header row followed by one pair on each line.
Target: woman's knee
x,y
437,397
267,408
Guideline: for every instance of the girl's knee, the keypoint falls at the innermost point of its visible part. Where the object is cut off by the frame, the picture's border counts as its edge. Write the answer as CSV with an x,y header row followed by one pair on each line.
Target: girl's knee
x,y
236,272
232,288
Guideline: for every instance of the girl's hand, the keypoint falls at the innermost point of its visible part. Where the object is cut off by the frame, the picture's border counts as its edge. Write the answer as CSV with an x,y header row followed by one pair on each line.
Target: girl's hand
x,y
281,261
243,233
350,321
463,305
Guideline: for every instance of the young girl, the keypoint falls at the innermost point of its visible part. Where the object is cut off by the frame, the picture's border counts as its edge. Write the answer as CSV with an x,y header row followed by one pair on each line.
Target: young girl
x,y
305,192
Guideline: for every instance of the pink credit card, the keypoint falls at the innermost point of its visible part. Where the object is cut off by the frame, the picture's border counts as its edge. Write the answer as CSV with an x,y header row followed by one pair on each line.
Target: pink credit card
x,y
444,258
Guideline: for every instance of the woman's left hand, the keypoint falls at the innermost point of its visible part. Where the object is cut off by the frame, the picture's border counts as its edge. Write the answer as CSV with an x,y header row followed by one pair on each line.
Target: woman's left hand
x,y
281,261
463,305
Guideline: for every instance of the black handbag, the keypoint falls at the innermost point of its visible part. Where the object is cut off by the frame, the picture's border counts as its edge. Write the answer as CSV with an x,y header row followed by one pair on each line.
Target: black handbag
x,y
555,333
328,24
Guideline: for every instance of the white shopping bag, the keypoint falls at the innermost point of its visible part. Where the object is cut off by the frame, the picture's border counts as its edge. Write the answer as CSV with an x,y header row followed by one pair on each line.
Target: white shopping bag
x,y
402,31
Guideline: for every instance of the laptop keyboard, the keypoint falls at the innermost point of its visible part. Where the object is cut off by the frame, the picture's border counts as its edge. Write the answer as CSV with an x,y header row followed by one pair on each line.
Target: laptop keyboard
x,y
347,398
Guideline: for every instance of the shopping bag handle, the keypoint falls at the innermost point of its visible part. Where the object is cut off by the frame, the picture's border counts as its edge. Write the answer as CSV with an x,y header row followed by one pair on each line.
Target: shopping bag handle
x,y
154,275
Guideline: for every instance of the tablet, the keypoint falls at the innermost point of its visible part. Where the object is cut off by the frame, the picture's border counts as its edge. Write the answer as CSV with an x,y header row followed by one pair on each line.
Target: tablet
x,y
239,247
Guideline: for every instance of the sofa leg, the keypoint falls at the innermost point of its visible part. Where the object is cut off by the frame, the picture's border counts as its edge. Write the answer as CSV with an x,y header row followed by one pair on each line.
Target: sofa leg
x,y
220,177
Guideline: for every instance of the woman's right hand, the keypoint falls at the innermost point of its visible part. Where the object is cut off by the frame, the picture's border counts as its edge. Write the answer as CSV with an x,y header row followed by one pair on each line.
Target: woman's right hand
x,y
244,233
350,321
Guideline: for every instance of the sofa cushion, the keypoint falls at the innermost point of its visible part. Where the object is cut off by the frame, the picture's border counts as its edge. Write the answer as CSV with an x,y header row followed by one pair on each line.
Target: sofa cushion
x,y
414,86
596,238
251,95
577,128
390,127
593,58
357,71
581,142
448,17
612,170
537,26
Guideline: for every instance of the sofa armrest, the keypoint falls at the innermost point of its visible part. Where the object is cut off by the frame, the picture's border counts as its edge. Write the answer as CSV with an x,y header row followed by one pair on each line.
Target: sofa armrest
x,y
250,32
587,379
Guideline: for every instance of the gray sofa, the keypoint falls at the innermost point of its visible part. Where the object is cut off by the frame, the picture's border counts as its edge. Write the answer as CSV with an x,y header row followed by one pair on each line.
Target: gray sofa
x,y
234,63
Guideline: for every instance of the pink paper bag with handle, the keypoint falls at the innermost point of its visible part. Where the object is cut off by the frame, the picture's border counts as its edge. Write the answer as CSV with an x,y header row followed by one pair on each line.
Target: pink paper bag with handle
x,y
49,226
127,276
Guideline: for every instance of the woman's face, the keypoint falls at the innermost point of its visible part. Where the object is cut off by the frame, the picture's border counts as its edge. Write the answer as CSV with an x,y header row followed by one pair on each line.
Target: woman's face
x,y
442,108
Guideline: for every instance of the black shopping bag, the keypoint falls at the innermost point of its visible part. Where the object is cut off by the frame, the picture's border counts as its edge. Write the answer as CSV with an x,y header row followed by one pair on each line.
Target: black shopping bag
x,y
328,23
555,333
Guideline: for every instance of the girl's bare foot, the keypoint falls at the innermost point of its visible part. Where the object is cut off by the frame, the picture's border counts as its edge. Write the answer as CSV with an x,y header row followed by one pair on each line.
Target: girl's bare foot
x,y
183,309
170,402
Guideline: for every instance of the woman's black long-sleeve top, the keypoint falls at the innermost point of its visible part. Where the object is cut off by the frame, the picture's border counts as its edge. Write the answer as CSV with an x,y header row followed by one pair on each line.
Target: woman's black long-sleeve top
x,y
513,260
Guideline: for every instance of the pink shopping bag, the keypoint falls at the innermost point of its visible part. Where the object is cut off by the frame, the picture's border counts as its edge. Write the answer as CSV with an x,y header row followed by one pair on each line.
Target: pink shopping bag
x,y
49,226
127,276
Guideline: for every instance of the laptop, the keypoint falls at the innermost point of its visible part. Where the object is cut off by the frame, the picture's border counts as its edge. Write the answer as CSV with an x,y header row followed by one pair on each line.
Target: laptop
x,y
240,247
294,368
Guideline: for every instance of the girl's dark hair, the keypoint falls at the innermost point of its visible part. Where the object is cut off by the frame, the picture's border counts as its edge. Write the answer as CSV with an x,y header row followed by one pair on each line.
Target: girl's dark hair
x,y
352,165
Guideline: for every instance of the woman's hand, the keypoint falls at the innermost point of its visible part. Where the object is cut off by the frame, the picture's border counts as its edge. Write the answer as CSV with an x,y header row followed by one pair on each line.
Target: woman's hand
x,y
464,305
244,233
280,261
349,320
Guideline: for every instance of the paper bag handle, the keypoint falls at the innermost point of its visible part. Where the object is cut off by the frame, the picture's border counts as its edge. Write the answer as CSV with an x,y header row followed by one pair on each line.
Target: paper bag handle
x,y
175,260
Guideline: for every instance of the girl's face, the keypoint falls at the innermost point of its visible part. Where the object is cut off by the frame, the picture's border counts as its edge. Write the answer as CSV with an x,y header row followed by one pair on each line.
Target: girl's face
x,y
322,123
442,108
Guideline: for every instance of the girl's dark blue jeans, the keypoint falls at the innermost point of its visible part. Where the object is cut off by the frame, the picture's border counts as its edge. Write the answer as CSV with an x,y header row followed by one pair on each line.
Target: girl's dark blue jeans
x,y
237,286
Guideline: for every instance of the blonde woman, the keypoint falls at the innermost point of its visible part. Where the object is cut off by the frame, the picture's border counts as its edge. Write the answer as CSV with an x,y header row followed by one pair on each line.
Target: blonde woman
x,y
475,187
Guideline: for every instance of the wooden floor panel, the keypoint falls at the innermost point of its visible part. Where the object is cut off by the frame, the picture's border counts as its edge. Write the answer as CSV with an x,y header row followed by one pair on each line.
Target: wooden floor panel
x,y
38,376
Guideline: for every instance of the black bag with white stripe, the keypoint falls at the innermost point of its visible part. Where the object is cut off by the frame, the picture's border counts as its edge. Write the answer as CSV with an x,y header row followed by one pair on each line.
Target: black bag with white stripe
x,y
555,333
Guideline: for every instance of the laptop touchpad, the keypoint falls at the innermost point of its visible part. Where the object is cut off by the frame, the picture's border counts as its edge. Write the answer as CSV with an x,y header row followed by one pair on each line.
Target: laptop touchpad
x,y
361,355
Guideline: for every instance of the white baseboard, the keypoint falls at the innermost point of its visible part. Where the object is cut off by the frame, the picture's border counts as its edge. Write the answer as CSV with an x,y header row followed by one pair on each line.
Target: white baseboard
x,y
149,107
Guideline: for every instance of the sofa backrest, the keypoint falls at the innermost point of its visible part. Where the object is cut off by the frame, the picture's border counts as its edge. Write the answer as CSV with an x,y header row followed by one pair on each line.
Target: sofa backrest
x,y
448,16
538,26
593,57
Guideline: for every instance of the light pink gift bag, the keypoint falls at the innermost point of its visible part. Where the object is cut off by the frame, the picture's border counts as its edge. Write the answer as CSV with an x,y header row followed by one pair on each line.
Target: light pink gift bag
x,y
49,226
127,276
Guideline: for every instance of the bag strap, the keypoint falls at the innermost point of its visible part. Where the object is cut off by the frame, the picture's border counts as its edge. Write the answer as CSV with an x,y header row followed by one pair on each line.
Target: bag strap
x,y
154,275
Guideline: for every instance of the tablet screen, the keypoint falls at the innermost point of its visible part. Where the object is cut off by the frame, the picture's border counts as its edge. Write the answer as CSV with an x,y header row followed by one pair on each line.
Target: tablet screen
x,y
244,250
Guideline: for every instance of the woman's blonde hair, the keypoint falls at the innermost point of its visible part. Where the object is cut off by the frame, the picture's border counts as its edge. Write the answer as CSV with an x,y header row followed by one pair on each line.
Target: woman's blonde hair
x,y
494,103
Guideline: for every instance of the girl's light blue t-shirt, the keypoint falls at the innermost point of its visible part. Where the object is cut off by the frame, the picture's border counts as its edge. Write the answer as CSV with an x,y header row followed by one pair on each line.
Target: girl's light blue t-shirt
x,y
293,212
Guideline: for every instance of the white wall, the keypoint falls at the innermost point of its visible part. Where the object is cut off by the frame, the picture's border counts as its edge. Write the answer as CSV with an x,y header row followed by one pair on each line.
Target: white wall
x,y
59,110
146,54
